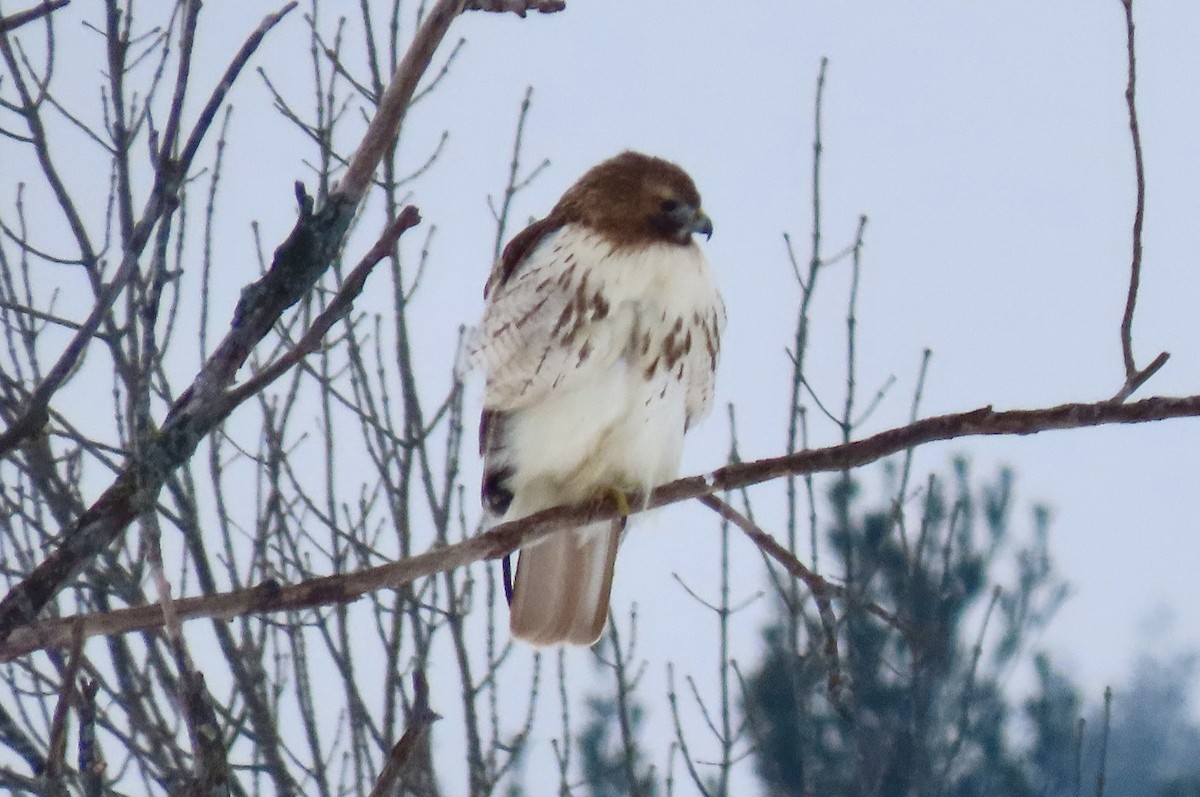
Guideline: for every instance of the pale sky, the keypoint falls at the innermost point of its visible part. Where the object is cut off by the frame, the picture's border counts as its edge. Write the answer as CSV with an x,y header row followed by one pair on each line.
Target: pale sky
x,y
987,143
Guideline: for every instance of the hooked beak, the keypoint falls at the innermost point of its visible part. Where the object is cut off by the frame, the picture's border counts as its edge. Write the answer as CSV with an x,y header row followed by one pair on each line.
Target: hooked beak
x,y
682,219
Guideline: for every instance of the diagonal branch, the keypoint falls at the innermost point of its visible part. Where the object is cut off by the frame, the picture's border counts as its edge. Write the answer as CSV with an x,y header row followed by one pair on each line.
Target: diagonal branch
x,y
337,308
820,587
396,99
506,537
394,102
14,21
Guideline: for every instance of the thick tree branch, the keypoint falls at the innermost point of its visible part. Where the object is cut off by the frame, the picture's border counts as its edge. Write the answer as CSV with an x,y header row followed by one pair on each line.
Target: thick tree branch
x,y
14,21
503,539
337,308
519,7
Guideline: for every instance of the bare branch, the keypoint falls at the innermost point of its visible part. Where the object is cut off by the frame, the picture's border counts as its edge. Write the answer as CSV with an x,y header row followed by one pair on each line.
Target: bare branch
x,y
419,720
58,728
211,775
167,183
22,636
1133,377
14,21
240,59
394,103
91,757
819,586
680,739
1101,774
337,308
518,7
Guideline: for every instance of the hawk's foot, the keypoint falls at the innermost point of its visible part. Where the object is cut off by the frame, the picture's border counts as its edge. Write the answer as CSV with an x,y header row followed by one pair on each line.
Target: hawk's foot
x,y
619,497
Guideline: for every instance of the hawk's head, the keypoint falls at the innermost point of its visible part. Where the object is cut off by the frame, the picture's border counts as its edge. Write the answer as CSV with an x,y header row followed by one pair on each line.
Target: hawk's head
x,y
636,200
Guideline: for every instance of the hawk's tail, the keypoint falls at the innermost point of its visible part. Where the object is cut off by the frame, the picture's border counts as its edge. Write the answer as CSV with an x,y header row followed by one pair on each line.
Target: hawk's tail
x,y
562,586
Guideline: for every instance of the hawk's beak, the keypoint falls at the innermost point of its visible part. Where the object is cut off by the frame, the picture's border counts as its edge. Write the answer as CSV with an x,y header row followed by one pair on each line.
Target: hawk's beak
x,y
702,224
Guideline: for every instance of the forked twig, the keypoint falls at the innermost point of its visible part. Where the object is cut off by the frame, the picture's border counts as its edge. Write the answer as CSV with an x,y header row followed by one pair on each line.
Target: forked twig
x,y
419,719
1133,377
821,588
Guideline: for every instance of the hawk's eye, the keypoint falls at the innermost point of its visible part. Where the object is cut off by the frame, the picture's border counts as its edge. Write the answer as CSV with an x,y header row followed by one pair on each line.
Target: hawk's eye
x,y
669,206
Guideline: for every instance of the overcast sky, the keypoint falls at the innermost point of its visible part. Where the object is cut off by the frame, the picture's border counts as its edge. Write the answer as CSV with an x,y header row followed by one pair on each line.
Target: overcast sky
x,y
988,145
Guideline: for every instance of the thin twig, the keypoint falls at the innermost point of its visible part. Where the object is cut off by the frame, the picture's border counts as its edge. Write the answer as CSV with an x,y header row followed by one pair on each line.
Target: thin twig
x,y
1077,779
1133,377
419,719
1101,776
820,587
673,700
846,422
515,182
624,685
58,727
395,101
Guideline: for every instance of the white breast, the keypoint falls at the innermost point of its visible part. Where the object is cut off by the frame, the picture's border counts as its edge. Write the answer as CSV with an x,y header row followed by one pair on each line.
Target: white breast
x,y
616,418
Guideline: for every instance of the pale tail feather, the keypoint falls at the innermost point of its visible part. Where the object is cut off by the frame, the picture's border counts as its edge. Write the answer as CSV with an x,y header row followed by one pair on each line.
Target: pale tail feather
x,y
562,586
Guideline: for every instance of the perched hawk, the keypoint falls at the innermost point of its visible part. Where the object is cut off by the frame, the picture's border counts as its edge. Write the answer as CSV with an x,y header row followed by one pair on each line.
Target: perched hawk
x,y
600,339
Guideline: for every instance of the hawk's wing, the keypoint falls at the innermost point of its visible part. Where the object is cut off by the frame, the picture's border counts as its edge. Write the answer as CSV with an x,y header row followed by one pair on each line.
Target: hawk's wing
x,y
541,327
701,377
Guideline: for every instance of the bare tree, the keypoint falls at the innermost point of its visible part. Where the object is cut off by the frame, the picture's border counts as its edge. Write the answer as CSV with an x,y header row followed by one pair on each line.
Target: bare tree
x,y
239,503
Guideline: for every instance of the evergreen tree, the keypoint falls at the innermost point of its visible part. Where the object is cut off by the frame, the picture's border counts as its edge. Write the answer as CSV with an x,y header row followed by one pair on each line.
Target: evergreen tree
x,y
1153,736
1054,712
918,709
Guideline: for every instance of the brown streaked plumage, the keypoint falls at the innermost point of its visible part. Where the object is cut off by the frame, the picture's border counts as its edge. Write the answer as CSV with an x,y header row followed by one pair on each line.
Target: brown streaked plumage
x,y
600,341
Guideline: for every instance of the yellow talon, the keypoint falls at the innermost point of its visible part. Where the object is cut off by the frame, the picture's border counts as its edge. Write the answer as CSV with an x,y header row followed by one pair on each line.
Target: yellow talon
x,y
622,501
619,497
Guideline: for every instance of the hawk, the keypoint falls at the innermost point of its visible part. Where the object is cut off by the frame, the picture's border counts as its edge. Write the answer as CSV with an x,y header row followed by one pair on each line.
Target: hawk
x,y
600,338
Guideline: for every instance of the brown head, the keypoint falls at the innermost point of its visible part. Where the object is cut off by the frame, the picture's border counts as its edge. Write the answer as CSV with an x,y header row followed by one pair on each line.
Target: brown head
x,y
636,200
